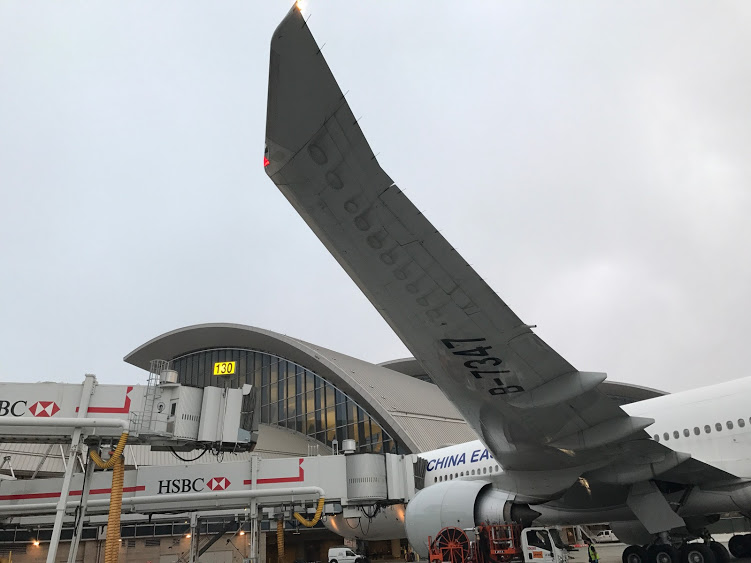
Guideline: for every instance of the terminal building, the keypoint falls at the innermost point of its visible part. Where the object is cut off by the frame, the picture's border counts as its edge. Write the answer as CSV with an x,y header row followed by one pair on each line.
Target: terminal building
x,y
310,400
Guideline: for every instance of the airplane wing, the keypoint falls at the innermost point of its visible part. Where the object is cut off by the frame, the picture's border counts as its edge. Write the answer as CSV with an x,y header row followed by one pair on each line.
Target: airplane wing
x,y
545,422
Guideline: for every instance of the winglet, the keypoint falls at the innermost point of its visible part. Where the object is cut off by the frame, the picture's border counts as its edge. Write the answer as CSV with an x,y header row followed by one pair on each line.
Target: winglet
x,y
303,92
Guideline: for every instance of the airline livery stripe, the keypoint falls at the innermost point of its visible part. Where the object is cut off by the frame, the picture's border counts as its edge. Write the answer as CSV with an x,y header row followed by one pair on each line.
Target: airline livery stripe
x,y
29,496
125,409
299,479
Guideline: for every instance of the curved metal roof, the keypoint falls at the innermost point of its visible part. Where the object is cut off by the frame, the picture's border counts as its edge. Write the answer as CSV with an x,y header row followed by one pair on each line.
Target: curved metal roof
x,y
414,412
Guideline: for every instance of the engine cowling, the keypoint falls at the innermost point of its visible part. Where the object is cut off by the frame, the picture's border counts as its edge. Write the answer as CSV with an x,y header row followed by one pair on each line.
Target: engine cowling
x,y
461,504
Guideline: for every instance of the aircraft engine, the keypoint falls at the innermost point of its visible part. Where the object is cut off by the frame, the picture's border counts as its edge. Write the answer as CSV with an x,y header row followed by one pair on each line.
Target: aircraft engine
x,y
461,504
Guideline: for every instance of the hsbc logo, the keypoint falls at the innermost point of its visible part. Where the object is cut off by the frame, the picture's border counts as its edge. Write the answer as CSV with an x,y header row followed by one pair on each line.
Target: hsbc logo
x,y
12,409
218,483
172,486
44,409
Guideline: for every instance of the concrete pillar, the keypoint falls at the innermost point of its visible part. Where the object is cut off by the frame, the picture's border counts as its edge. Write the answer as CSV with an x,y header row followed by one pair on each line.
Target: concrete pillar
x,y
396,549
262,547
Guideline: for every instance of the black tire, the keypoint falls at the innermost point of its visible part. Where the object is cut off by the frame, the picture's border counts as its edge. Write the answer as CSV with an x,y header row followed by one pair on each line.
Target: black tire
x,y
697,553
744,544
332,561
721,554
634,554
737,546
662,553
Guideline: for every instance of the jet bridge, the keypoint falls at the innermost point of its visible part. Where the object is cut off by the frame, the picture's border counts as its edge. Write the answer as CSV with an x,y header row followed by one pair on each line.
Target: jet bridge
x,y
164,414
347,482
352,485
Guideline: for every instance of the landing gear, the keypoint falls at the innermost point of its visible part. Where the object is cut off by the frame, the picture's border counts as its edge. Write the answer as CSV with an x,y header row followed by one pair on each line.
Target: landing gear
x,y
697,553
662,553
635,554
740,545
721,554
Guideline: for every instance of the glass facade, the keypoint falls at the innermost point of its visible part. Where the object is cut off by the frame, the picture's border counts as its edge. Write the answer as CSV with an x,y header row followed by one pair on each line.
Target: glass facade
x,y
291,397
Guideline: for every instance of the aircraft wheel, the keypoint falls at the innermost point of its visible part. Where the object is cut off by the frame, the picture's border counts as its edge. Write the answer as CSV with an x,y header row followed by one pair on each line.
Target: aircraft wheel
x,y
697,553
721,555
741,545
663,553
634,554
737,546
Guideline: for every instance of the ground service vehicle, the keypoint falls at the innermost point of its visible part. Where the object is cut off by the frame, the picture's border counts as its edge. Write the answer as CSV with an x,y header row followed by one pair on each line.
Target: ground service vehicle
x,y
343,554
497,543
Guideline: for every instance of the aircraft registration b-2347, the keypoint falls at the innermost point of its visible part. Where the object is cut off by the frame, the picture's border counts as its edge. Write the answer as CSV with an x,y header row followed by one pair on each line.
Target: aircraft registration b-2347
x,y
659,470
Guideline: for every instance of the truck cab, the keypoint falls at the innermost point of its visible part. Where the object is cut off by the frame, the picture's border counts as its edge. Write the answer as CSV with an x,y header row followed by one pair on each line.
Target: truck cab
x,y
543,545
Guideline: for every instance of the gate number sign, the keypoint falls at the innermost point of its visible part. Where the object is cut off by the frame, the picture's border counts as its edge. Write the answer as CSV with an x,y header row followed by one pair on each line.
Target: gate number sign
x,y
224,368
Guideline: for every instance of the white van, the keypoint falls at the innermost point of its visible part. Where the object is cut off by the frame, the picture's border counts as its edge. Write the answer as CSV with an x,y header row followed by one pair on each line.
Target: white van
x,y
343,554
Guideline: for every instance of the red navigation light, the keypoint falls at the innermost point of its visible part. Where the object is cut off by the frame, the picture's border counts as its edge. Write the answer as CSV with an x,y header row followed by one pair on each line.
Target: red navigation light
x,y
265,161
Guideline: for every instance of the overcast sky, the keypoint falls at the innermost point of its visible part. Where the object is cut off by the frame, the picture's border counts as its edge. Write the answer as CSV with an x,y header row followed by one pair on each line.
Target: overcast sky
x,y
590,160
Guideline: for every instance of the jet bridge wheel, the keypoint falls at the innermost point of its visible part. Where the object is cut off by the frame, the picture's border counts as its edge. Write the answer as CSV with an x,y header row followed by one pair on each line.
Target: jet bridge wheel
x,y
453,545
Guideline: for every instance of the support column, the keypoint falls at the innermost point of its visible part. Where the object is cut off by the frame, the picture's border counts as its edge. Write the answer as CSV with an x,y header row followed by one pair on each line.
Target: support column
x,y
261,547
193,537
75,447
255,529
82,511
